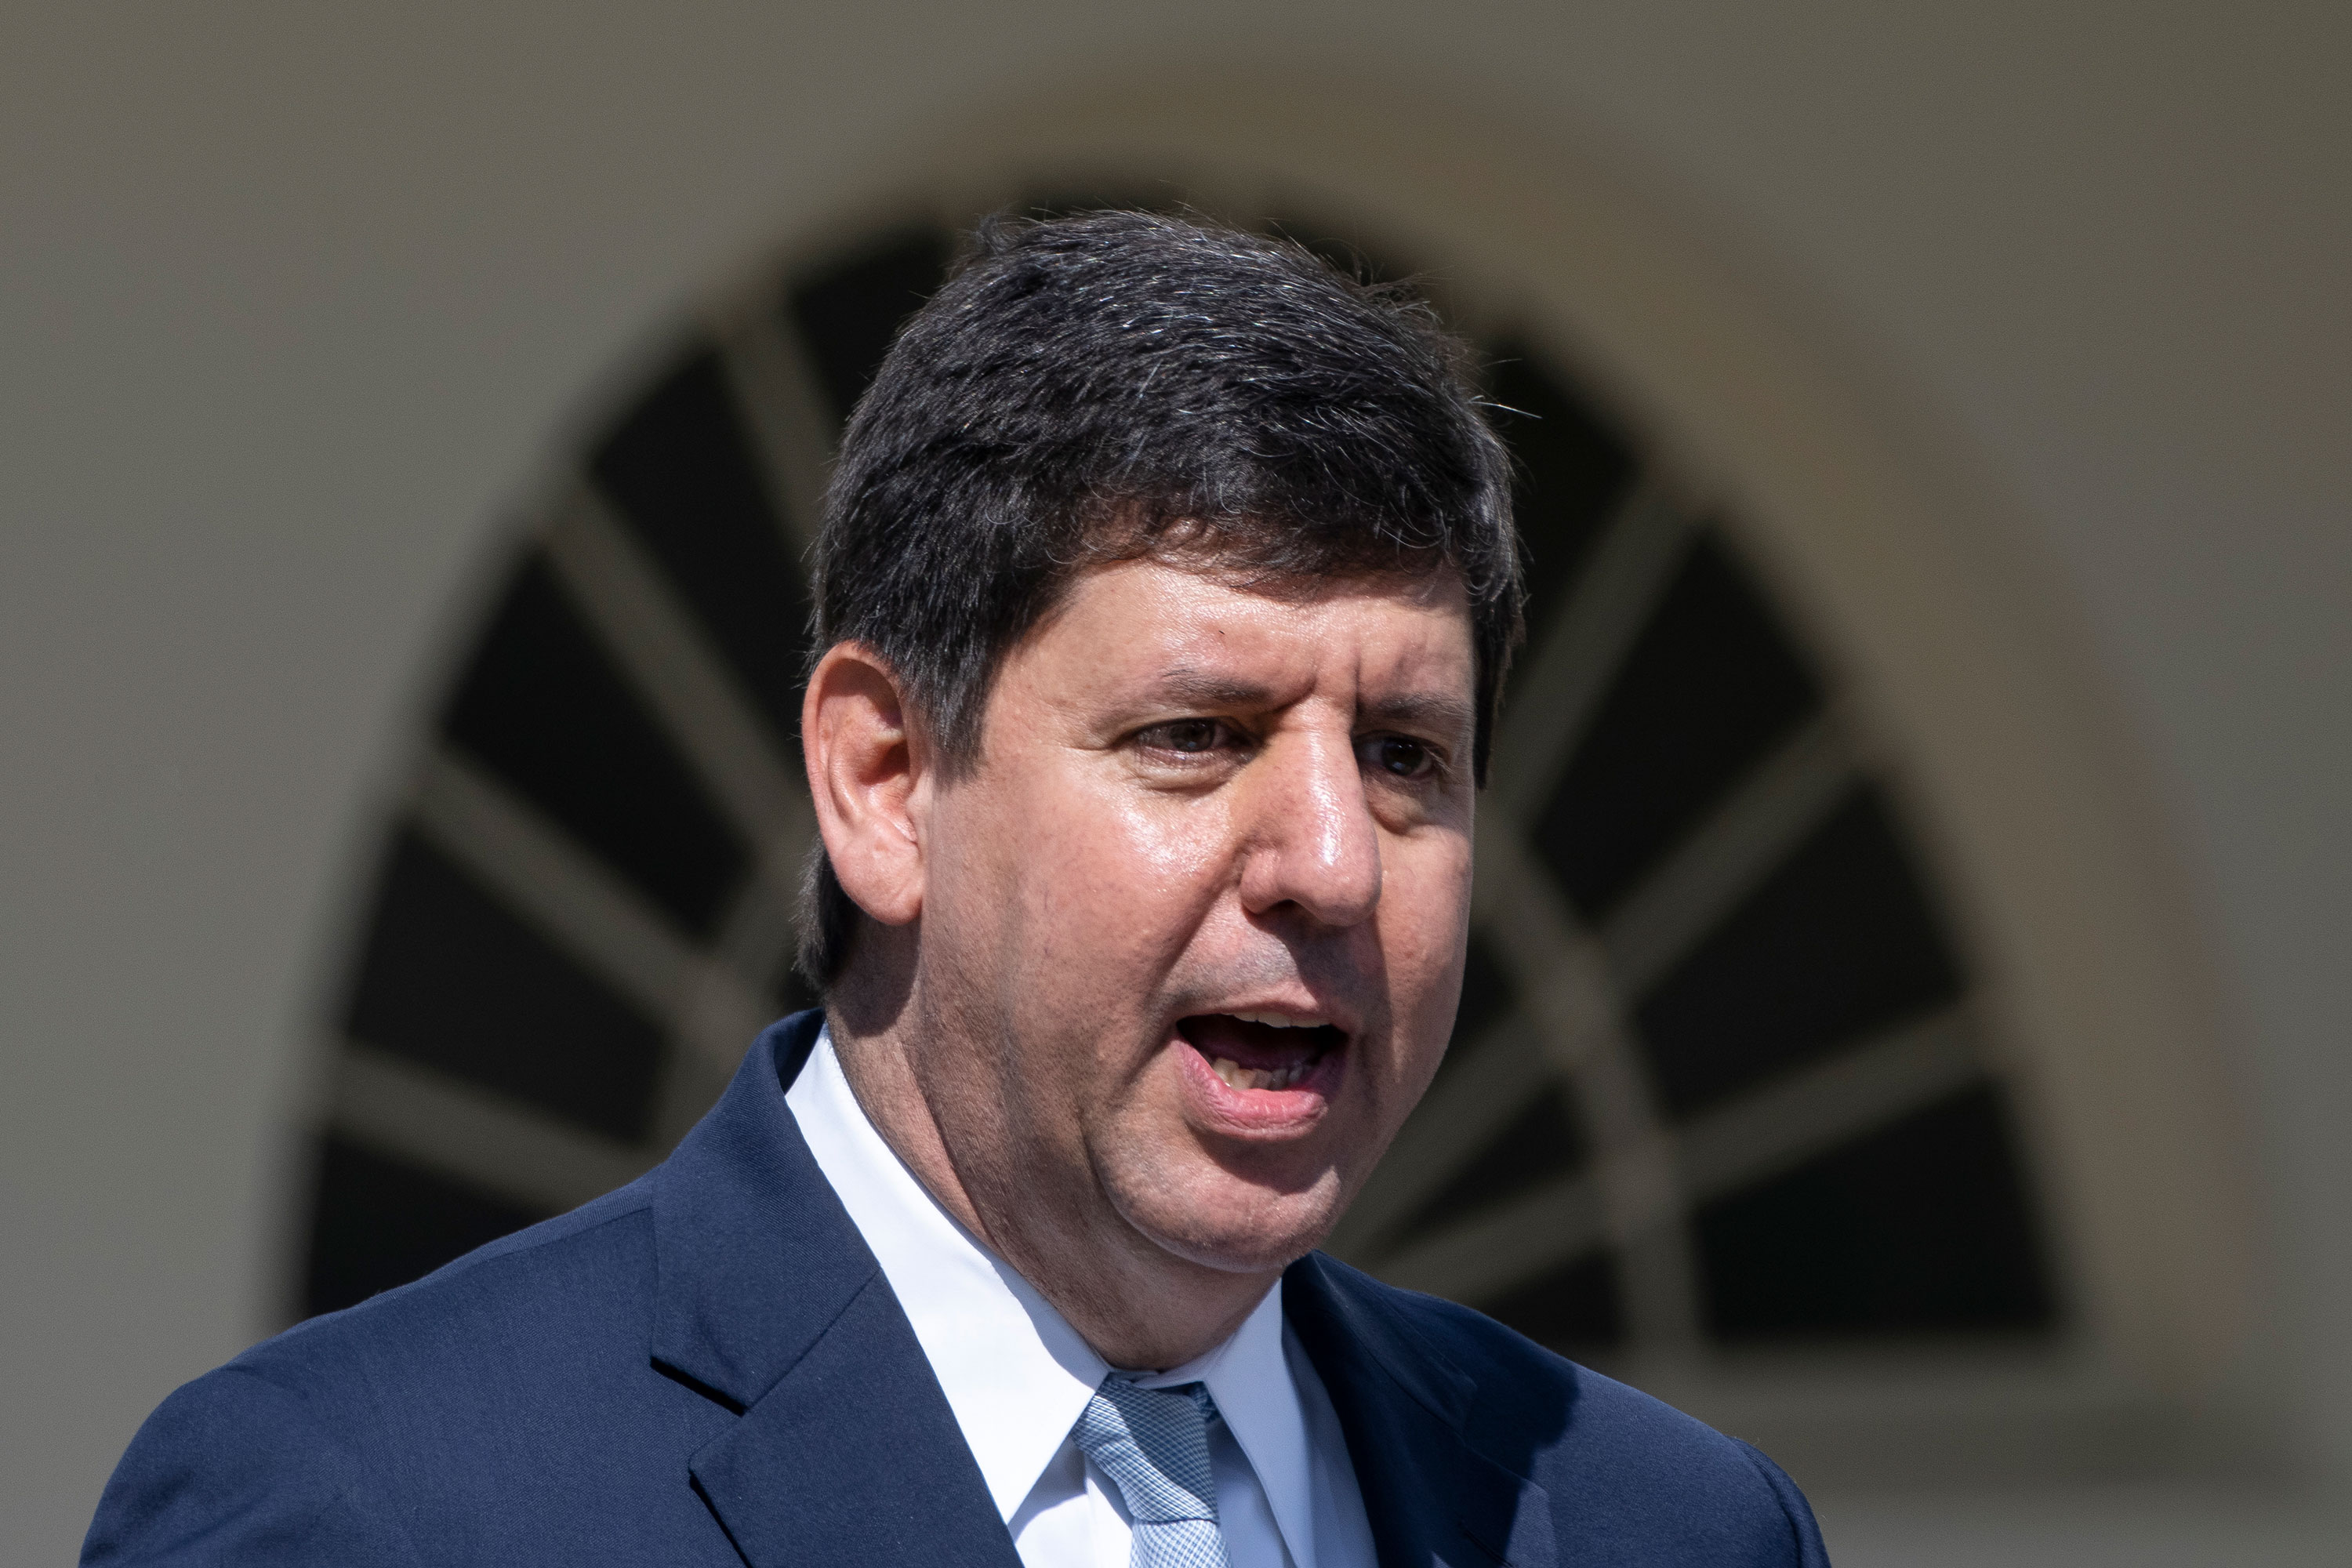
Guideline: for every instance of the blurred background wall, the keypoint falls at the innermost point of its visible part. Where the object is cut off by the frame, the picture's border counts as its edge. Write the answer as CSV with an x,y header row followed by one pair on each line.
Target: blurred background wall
x,y
1985,375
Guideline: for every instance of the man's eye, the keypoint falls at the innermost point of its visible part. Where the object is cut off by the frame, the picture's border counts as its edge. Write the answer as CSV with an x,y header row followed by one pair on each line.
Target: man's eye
x,y
1191,735
1403,758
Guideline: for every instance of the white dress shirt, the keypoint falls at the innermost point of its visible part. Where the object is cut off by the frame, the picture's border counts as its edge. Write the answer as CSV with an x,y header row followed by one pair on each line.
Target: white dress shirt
x,y
1016,1375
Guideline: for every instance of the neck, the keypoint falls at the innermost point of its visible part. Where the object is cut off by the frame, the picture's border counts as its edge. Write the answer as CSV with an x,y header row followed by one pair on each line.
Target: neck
x,y
1139,1305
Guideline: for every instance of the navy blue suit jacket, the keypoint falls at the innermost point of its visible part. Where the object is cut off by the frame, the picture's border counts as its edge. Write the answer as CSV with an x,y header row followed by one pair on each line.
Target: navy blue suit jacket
x,y
707,1366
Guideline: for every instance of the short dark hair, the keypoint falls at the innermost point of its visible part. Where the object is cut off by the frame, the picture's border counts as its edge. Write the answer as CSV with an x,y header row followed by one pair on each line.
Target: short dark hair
x,y
1120,384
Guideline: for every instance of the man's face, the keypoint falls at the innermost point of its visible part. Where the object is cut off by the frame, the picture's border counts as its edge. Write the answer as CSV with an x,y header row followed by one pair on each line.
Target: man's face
x,y
1192,933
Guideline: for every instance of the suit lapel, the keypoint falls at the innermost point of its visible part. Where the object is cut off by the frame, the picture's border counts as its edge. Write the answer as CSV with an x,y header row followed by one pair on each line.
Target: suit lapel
x,y
854,1457
1431,1497
769,1302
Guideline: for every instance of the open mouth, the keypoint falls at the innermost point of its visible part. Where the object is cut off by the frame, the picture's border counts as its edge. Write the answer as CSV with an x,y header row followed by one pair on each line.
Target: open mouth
x,y
1260,1050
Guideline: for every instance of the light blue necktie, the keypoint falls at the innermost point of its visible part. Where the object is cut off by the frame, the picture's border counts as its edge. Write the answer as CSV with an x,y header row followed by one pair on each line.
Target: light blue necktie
x,y
1153,1442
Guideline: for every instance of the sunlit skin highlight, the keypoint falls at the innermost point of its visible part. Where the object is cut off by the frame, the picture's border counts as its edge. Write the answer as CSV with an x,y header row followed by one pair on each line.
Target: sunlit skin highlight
x,y
1202,811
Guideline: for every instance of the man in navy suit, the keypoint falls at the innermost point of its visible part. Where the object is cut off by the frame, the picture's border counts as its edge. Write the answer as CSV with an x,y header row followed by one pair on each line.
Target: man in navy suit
x,y
1165,591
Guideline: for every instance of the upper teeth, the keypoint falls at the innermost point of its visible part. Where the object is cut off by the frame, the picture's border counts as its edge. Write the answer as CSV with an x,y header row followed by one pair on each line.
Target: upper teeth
x,y
1279,1020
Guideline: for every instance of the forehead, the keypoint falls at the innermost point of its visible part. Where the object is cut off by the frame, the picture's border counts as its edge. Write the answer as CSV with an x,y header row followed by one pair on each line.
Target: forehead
x,y
1156,622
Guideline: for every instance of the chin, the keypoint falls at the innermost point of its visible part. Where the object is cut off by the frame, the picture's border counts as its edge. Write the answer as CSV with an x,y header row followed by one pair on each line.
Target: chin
x,y
1244,1231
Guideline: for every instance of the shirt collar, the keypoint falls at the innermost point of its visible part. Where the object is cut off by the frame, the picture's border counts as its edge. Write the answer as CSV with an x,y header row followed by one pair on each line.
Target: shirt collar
x,y
1249,1377
1016,1373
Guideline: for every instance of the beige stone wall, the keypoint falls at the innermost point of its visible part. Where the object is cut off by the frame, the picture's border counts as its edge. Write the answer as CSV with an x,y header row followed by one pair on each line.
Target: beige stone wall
x,y
2022,340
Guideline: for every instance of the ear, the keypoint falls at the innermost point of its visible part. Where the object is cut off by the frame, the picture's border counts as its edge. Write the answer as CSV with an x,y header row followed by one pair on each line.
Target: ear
x,y
867,776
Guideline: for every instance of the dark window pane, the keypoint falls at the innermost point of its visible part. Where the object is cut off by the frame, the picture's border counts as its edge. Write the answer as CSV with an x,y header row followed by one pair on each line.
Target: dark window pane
x,y
544,708
848,313
452,980
1920,1227
1707,689
680,469
1575,1307
1487,998
381,1222
1838,942
1542,1142
1573,471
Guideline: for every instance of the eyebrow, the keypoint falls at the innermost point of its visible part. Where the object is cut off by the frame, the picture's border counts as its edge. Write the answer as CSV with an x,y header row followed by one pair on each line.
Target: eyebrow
x,y
1429,710
1186,683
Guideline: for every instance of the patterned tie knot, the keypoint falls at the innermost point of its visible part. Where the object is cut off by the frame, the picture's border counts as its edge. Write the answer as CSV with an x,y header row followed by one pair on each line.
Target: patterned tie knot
x,y
1153,1442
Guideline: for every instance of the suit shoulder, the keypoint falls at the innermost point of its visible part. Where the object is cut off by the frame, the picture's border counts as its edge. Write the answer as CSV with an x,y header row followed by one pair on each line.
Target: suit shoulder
x,y
1513,1377
236,1468
278,1455
1581,1434
563,1279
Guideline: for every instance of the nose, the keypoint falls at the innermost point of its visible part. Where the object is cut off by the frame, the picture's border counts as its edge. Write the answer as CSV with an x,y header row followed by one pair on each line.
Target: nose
x,y
1310,838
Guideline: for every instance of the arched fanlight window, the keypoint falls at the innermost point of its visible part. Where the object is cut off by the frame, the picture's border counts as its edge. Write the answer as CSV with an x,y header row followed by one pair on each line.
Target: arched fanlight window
x,y
1718,1077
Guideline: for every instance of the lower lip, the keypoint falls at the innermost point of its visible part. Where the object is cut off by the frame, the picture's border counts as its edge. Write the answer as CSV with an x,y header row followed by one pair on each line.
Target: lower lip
x,y
1261,1112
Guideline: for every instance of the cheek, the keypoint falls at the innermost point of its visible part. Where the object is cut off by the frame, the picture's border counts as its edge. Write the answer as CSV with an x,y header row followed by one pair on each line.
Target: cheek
x,y
1110,889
